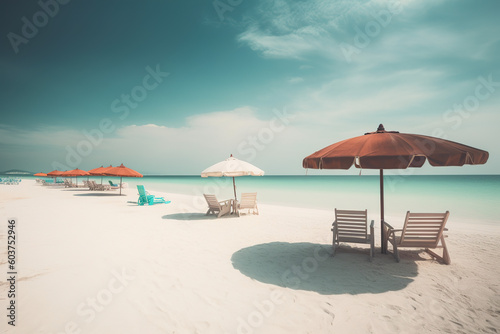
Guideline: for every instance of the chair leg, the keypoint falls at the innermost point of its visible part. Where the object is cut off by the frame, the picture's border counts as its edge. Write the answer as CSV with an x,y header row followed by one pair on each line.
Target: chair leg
x,y
334,244
372,249
396,253
446,256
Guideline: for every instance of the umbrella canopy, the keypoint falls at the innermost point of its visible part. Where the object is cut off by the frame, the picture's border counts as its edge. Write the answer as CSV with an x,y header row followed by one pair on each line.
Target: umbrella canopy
x,y
75,172
40,174
99,170
55,173
121,171
393,150
232,167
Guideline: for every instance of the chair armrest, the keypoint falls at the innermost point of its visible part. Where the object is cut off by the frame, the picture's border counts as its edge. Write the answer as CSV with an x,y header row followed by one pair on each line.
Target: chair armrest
x,y
334,226
391,230
386,224
372,224
226,202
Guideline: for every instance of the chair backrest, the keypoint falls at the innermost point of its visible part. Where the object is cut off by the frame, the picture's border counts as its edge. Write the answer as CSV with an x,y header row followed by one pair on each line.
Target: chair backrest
x,y
212,201
423,229
248,200
142,191
352,224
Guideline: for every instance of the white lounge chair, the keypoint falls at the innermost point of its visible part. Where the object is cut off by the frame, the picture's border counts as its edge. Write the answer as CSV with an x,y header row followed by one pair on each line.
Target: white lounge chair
x,y
248,201
218,208
352,226
421,230
98,187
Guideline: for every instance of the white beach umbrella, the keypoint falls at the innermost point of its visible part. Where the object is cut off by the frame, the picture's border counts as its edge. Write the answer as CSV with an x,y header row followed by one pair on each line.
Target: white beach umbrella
x,y
232,167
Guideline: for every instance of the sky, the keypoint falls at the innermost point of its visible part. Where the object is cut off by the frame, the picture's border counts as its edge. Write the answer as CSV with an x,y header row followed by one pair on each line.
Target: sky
x,y
173,87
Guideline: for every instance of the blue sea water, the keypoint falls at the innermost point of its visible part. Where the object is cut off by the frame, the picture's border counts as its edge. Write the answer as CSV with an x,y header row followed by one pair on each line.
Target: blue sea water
x,y
469,197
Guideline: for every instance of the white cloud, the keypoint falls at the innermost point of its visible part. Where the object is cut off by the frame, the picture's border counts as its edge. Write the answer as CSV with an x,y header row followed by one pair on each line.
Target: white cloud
x,y
295,80
287,29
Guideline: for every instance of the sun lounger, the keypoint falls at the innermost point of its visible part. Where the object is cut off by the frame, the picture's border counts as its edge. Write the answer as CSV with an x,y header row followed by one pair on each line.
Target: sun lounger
x,y
217,208
248,201
98,187
352,226
420,230
146,198
10,180
113,185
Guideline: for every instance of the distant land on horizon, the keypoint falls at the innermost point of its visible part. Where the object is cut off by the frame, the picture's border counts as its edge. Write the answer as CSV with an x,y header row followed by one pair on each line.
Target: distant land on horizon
x,y
17,172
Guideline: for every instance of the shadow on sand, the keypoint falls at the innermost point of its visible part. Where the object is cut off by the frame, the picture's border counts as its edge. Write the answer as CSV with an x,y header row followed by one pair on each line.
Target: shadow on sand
x,y
196,216
310,267
99,194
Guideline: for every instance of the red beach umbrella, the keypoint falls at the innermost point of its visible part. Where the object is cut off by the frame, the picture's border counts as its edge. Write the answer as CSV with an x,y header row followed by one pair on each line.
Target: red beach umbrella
x,y
122,171
40,174
393,150
75,172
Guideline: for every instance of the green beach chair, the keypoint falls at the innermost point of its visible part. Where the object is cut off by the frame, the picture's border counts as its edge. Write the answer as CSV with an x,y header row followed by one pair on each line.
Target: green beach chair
x,y
145,197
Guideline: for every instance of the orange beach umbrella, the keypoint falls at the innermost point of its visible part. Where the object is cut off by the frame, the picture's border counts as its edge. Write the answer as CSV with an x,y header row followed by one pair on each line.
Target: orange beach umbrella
x,y
40,174
75,172
122,171
393,150
55,174
99,171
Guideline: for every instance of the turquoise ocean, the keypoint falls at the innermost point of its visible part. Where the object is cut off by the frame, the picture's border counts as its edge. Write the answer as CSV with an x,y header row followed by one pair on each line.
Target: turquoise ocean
x,y
467,197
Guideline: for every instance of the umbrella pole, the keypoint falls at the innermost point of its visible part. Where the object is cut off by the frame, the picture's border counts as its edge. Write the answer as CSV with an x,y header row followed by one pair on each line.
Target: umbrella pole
x,y
120,185
384,242
234,187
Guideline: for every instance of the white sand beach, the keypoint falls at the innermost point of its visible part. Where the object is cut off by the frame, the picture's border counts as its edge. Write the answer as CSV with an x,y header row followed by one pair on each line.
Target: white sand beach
x,y
95,262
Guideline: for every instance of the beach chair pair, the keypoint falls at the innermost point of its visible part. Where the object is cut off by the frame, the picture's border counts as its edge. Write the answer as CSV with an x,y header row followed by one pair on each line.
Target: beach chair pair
x,y
221,208
146,198
420,230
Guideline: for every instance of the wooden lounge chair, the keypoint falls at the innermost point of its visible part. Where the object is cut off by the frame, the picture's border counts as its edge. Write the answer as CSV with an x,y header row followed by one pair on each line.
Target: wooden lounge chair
x,y
216,207
421,230
248,201
352,226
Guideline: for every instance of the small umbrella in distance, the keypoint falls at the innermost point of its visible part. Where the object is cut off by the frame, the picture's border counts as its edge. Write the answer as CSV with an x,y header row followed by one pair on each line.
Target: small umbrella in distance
x,y
122,171
99,171
76,173
55,174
